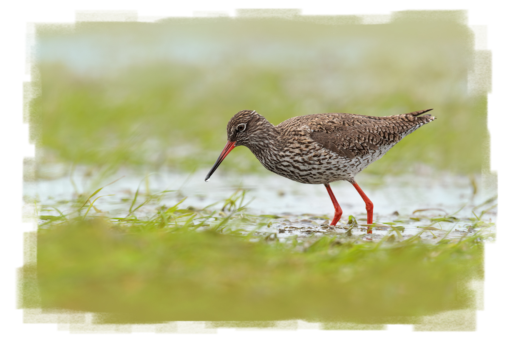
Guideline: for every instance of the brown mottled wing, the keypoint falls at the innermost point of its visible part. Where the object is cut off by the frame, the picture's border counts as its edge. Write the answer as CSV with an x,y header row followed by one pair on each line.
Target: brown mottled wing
x,y
352,136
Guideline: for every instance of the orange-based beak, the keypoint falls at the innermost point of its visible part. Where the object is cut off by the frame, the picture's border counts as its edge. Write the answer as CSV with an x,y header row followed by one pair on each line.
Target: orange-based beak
x,y
230,145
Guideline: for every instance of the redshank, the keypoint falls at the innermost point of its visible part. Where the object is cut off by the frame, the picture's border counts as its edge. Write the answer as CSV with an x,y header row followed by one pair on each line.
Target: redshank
x,y
320,148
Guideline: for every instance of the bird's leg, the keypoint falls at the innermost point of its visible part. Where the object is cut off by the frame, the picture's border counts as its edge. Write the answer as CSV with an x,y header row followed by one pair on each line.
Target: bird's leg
x,y
369,206
338,210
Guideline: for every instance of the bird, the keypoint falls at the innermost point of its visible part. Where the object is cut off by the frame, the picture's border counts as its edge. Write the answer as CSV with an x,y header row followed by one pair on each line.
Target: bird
x,y
321,148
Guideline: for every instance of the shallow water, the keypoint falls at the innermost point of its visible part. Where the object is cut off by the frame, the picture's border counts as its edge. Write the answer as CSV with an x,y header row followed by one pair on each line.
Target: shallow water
x,y
298,209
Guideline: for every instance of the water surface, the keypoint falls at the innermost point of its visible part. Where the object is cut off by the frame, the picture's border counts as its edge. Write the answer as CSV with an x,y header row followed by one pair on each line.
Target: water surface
x,y
292,208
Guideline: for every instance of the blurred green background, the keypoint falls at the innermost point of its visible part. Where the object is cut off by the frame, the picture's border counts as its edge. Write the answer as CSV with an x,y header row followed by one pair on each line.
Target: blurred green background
x,y
161,94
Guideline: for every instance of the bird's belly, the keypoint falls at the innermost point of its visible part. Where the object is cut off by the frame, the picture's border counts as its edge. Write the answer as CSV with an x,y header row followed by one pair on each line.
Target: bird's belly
x,y
322,167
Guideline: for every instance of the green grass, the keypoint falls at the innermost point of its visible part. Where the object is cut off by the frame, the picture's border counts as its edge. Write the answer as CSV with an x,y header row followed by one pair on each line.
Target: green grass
x,y
189,264
161,114
153,276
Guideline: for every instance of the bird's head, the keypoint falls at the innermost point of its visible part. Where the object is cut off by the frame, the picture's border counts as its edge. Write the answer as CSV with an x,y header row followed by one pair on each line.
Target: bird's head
x,y
240,128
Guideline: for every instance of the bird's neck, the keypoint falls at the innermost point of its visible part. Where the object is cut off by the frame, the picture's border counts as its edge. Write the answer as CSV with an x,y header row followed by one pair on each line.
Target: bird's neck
x,y
264,144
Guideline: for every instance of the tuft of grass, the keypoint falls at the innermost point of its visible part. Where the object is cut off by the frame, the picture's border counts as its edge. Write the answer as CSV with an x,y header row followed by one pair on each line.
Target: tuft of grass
x,y
189,264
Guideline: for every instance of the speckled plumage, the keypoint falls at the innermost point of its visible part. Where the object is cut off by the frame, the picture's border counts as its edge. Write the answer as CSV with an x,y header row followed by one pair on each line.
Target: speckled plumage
x,y
321,148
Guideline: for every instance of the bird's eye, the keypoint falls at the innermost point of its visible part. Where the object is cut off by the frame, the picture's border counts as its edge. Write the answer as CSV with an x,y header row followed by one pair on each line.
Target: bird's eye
x,y
241,127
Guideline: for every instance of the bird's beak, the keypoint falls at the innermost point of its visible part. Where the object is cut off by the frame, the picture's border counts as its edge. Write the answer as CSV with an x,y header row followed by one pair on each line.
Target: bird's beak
x,y
230,145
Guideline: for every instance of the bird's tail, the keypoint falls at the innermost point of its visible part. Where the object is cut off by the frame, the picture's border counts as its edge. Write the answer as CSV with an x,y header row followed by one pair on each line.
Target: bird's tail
x,y
426,118
418,113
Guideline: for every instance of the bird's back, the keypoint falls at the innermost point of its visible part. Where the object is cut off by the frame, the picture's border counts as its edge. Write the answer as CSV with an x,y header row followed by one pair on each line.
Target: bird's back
x,y
322,148
351,135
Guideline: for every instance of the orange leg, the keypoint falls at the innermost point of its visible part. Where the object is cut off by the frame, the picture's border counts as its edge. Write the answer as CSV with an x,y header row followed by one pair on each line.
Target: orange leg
x,y
369,206
338,210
